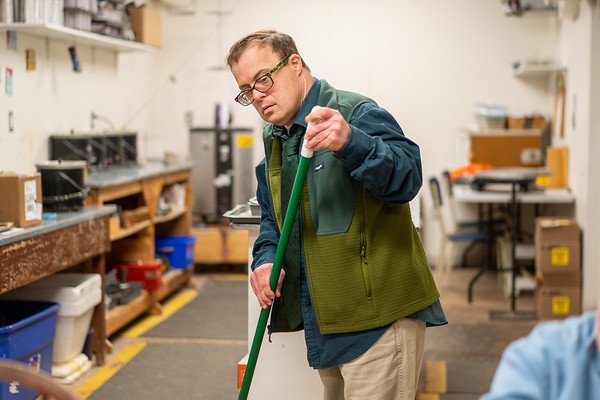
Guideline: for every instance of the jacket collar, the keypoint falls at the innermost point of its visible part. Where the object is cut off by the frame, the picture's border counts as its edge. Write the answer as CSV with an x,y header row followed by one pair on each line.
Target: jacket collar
x,y
311,100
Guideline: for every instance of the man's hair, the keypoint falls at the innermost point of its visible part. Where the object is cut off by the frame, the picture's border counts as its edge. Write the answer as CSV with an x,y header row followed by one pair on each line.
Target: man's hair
x,y
280,43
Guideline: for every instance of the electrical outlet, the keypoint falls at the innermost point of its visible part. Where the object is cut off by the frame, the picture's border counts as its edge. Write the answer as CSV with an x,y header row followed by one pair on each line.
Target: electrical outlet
x,y
11,122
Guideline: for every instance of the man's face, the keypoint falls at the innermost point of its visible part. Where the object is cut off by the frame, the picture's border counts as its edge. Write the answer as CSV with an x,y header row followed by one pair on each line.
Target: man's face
x,y
282,101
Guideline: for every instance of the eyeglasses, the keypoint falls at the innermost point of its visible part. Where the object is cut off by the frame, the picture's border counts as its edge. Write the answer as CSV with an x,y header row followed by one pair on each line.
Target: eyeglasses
x,y
262,84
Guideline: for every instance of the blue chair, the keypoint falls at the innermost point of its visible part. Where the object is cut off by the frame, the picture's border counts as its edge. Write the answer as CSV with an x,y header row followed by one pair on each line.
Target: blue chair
x,y
482,224
450,235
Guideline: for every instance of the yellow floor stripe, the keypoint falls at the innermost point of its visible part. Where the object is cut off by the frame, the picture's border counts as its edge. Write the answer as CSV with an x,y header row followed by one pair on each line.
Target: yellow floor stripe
x,y
435,378
168,309
109,369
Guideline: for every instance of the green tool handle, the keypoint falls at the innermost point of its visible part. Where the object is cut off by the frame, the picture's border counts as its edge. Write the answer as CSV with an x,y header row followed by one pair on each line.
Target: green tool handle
x,y
288,223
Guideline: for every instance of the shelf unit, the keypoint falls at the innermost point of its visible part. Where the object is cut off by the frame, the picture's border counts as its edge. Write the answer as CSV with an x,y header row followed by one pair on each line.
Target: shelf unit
x,y
119,316
539,71
75,36
125,232
141,187
175,213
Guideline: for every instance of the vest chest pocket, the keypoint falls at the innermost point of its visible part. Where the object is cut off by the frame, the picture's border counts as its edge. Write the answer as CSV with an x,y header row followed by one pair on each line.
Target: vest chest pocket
x,y
332,194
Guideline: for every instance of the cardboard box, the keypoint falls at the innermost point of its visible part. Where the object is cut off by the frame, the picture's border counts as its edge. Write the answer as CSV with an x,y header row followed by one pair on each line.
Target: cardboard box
x,y
557,245
532,121
236,245
557,162
21,199
569,279
209,247
506,148
146,24
558,301
556,229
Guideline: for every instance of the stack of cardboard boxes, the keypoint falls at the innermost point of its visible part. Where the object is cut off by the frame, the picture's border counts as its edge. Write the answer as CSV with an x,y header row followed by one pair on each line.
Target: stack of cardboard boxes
x,y
558,267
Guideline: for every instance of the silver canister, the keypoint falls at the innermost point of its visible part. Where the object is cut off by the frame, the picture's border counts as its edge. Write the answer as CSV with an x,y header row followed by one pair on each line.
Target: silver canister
x,y
6,11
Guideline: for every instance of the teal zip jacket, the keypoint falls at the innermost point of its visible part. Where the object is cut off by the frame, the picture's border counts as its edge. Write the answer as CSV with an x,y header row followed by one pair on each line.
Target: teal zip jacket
x,y
365,263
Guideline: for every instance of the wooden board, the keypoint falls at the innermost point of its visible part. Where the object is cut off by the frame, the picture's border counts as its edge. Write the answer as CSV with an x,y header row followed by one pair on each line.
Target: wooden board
x,y
31,259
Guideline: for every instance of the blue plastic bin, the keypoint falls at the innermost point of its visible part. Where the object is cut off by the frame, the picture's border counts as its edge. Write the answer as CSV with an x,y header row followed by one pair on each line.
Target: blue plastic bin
x,y
27,329
179,250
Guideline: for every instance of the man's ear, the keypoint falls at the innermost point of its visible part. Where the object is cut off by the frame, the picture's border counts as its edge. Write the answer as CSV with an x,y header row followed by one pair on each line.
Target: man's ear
x,y
296,63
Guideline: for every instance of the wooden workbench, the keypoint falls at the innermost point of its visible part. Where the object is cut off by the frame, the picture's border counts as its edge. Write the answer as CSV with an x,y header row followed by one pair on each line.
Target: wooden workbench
x,y
29,254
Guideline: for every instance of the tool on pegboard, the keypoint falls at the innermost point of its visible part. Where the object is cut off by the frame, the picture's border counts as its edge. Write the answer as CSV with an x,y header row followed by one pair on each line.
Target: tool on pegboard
x,y
11,40
30,60
74,61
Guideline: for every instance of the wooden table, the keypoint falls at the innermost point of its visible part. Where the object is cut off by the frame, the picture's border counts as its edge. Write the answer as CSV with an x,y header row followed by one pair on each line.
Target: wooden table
x,y
74,238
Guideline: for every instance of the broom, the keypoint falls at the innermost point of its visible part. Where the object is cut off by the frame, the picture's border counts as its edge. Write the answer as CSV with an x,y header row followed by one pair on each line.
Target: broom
x,y
288,223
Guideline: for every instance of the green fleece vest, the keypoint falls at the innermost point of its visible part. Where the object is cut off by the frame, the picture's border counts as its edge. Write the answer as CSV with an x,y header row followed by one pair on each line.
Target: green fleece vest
x,y
365,263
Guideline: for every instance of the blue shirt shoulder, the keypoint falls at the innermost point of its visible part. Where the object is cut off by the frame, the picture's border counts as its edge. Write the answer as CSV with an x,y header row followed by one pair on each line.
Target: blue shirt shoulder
x,y
557,360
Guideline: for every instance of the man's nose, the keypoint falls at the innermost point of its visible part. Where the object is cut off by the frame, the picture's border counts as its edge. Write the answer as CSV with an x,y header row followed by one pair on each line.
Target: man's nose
x,y
256,95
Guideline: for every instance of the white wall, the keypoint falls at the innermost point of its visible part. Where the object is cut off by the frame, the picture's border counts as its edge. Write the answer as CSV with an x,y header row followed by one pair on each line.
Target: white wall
x,y
591,288
426,62
54,99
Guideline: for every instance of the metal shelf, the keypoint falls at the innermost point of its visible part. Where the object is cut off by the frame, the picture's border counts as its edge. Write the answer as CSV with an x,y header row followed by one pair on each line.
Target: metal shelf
x,y
75,36
526,71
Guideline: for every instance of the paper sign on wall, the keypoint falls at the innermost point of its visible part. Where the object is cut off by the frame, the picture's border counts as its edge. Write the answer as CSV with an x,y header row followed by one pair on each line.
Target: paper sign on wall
x,y
8,80
11,40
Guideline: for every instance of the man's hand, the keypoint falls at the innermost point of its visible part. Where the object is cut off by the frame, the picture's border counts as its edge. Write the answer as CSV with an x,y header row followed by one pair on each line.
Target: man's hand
x,y
259,280
330,130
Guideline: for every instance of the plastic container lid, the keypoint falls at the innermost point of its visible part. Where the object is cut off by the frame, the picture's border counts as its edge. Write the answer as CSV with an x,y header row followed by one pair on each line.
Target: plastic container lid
x,y
76,293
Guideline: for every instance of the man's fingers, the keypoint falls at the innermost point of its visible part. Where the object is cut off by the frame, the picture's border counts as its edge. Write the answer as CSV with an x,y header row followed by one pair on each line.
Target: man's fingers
x,y
319,113
279,283
260,283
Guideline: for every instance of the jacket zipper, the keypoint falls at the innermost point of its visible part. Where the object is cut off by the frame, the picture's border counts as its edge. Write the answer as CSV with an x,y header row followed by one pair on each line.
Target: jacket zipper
x,y
364,264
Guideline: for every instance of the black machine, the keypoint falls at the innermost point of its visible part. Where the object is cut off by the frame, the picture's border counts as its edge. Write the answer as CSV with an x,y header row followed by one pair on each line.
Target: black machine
x,y
95,149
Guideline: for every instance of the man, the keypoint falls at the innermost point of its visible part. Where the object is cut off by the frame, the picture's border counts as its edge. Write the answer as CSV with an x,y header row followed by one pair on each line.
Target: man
x,y
557,360
355,276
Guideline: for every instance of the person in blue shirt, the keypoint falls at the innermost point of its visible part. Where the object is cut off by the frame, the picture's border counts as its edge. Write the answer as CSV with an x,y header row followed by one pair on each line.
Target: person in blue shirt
x,y
558,360
355,276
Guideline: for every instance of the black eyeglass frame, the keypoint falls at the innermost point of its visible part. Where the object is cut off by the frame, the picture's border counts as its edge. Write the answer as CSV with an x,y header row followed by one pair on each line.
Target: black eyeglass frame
x,y
244,93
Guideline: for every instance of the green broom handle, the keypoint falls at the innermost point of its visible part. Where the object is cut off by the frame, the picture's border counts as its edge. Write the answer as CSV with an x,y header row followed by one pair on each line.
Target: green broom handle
x,y
288,223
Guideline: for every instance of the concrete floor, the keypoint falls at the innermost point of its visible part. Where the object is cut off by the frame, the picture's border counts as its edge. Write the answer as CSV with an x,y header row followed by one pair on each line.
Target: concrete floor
x,y
470,347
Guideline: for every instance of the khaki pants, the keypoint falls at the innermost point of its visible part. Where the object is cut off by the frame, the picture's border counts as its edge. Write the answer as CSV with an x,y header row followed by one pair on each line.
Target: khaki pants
x,y
389,370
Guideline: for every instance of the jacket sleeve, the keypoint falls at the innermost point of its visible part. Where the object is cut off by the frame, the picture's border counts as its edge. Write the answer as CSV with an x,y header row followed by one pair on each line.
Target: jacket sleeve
x,y
266,242
379,155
